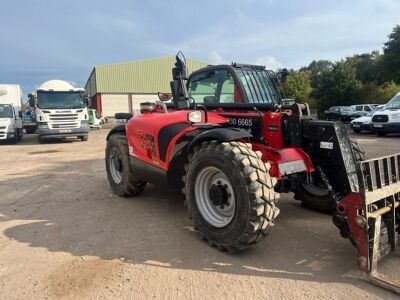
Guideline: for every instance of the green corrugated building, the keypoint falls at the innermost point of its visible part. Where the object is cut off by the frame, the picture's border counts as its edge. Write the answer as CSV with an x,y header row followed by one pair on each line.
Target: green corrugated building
x,y
122,87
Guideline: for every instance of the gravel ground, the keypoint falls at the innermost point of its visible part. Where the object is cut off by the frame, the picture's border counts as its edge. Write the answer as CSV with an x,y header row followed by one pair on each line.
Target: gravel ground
x,y
64,234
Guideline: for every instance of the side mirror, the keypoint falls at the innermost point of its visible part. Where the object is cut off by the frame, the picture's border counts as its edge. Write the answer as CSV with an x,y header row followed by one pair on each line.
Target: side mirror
x,y
179,72
164,96
31,102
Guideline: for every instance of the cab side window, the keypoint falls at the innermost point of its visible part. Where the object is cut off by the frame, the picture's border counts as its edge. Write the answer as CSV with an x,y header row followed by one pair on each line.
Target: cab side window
x,y
212,87
367,108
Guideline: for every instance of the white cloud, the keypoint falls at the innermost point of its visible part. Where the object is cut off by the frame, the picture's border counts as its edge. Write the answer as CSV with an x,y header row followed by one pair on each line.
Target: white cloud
x,y
216,59
270,62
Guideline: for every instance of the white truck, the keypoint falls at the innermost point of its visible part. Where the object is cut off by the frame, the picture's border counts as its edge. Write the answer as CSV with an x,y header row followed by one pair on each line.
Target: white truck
x,y
10,112
61,111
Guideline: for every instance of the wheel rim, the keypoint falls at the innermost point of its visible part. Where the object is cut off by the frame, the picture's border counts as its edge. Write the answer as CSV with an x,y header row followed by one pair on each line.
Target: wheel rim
x,y
215,197
115,163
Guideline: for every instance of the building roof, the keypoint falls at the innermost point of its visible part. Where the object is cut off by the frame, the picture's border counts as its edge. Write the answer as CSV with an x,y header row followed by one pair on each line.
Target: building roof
x,y
137,77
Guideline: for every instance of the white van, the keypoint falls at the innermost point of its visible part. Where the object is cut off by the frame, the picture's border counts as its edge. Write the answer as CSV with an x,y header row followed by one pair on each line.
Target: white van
x,y
387,119
10,112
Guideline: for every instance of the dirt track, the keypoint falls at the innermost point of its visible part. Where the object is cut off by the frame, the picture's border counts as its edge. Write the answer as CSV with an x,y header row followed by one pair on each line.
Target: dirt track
x,y
64,234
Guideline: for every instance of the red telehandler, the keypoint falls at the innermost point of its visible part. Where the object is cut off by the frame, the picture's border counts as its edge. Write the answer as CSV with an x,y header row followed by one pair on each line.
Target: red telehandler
x,y
232,145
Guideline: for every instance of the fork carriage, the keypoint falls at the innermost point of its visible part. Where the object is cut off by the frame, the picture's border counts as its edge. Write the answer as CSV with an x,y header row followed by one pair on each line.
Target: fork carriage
x,y
373,215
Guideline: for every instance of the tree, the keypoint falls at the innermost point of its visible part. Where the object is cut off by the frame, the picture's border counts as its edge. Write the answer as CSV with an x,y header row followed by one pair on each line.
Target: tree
x,y
380,94
391,56
368,66
339,86
298,86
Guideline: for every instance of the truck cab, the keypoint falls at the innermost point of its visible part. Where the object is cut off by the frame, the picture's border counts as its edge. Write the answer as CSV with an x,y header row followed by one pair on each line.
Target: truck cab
x,y
61,111
10,112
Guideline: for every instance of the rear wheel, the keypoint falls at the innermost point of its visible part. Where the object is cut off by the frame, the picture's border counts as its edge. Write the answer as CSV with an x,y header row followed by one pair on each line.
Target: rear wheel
x,y
119,174
20,134
315,195
230,194
30,130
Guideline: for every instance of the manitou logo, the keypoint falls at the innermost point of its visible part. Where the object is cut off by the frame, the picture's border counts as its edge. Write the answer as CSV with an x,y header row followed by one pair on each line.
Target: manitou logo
x,y
63,111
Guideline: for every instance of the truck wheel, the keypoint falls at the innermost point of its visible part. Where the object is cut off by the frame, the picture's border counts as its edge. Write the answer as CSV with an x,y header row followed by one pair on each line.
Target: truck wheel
x,y
30,130
118,168
84,138
230,194
380,133
15,138
315,195
20,134
357,130
41,140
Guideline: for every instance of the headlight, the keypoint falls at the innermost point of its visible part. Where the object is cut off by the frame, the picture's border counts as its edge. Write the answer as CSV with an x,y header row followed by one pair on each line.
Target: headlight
x,y
43,126
194,116
291,167
85,123
396,116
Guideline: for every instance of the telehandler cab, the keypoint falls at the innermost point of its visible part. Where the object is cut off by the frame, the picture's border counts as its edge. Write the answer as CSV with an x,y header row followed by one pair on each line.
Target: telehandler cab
x,y
228,141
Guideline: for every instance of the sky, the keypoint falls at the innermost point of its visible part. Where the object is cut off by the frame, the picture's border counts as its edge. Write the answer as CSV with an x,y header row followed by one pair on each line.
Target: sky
x,y
49,39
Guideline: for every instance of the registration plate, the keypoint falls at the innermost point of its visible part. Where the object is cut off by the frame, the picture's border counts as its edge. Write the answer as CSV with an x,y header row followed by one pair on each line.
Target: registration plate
x,y
356,125
64,131
378,125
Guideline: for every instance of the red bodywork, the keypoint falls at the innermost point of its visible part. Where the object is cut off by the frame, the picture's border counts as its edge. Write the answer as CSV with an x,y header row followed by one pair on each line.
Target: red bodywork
x,y
349,208
142,132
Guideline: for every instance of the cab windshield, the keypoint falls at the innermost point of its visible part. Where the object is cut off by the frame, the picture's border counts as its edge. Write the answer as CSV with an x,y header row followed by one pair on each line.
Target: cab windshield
x,y
58,100
346,108
394,103
6,111
259,85
219,85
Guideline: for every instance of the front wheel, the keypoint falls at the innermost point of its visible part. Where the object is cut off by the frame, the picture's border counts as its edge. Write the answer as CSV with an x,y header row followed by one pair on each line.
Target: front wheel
x,y
41,140
230,194
84,138
119,174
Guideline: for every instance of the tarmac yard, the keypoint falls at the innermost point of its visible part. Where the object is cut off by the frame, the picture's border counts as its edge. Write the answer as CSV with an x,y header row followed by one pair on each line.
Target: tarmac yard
x,y
64,234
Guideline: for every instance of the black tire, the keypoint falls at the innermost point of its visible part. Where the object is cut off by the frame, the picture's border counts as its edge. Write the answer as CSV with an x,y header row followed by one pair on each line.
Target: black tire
x,y
41,140
315,196
255,209
14,139
30,130
380,133
356,130
20,134
117,145
84,138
